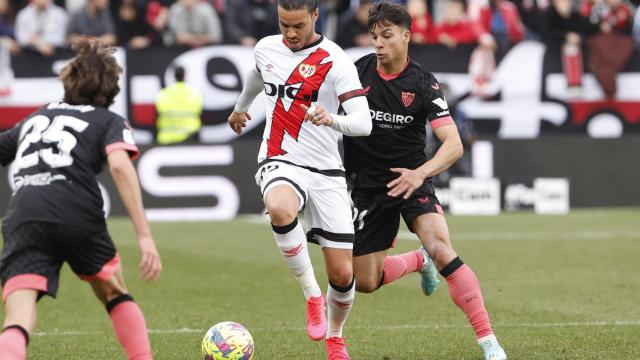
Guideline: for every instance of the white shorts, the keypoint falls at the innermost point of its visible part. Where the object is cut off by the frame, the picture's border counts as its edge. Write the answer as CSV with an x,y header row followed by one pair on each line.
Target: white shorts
x,y
324,202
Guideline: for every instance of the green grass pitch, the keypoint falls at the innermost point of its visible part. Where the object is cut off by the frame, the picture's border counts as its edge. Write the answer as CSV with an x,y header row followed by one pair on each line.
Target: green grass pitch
x,y
556,287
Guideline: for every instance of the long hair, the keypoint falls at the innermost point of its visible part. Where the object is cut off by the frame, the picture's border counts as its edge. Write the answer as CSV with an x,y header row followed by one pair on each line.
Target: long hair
x,y
91,78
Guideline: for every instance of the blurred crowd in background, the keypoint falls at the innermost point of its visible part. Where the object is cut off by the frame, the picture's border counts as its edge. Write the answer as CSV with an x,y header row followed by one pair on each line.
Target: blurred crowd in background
x,y
43,25
605,28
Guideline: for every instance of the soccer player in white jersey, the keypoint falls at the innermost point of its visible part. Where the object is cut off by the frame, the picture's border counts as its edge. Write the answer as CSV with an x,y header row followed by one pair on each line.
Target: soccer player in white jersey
x,y
307,78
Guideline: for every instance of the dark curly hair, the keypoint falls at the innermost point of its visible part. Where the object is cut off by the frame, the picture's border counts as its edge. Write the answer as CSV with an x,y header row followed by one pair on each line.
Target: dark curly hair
x,y
91,78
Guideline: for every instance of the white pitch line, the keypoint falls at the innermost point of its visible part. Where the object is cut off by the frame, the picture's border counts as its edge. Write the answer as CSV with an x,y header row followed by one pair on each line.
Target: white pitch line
x,y
503,235
536,235
379,327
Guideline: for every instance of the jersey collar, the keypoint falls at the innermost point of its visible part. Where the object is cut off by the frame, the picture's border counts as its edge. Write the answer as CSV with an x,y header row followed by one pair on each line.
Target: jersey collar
x,y
308,46
390,77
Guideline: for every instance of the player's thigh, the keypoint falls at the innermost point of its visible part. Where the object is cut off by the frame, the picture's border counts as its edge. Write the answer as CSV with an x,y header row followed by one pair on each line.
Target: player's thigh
x,y
367,270
30,260
328,216
92,256
283,188
376,222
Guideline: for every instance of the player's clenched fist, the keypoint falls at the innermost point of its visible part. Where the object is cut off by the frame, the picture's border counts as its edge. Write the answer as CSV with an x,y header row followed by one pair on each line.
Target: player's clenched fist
x,y
317,115
238,120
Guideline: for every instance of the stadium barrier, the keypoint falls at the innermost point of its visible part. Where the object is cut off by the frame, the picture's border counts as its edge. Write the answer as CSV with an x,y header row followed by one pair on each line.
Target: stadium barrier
x,y
216,182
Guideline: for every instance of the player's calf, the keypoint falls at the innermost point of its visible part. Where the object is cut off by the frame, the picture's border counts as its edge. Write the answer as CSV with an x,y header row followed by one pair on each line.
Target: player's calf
x,y
130,327
14,340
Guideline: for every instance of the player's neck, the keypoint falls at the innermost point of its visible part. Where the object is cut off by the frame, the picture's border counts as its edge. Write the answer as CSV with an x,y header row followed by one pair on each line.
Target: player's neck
x,y
312,39
393,68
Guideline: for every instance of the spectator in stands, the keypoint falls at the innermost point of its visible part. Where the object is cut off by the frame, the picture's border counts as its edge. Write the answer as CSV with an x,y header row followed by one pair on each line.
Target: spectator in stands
x,y
250,20
8,45
636,26
158,18
179,107
422,27
352,27
93,20
132,27
194,23
530,12
611,45
563,32
41,26
455,28
7,34
501,19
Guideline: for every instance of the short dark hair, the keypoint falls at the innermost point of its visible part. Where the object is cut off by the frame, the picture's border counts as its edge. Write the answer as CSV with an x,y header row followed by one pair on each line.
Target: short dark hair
x,y
91,78
179,73
385,13
311,5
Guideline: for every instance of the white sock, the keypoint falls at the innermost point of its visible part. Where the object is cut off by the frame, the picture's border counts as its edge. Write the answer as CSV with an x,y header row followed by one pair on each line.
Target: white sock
x,y
339,304
292,242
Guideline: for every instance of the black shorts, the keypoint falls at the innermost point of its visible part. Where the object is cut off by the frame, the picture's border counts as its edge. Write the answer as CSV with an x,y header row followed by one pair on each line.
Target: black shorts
x,y
377,216
33,253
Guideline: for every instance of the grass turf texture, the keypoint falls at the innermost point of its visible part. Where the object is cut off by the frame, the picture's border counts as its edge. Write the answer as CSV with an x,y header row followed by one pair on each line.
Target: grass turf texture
x,y
557,287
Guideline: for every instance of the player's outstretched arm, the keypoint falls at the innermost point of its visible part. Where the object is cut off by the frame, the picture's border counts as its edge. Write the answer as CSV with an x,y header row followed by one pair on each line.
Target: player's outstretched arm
x,y
449,152
126,180
252,87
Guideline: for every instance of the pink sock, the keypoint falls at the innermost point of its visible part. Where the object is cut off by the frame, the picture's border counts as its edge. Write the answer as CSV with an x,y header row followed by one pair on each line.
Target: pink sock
x,y
13,345
465,292
131,330
398,266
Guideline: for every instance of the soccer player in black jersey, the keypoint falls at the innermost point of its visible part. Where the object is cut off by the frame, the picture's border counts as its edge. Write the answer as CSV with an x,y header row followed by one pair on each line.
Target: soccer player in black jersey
x,y
391,175
55,213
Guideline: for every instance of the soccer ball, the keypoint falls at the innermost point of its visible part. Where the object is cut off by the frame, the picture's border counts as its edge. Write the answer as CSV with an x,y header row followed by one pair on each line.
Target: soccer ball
x,y
227,341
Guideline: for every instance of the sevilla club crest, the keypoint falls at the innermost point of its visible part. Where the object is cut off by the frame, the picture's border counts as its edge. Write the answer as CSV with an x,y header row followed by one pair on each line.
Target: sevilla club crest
x,y
306,70
407,98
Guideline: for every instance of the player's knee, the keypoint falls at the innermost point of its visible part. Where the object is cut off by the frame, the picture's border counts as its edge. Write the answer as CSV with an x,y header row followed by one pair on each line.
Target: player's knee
x,y
341,277
366,286
366,283
281,213
440,250
108,292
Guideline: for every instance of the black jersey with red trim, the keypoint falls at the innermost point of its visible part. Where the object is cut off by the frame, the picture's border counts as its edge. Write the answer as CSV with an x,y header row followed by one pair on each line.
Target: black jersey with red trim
x,y
401,105
57,152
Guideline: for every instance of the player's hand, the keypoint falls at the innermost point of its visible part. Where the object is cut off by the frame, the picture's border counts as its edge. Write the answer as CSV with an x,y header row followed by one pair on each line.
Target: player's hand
x,y
150,264
317,115
238,120
405,184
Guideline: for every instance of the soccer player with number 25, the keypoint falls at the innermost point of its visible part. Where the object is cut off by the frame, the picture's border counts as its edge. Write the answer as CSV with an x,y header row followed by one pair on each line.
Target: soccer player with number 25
x,y
55,214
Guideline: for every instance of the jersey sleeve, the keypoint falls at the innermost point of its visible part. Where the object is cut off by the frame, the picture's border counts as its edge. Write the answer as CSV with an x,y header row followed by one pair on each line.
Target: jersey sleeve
x,y
436,105
119,136
347,83
9,145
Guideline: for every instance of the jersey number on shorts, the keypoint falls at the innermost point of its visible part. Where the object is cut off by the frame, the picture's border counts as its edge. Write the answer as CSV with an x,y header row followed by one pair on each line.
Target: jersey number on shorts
x,y
358,218
290,121
41,129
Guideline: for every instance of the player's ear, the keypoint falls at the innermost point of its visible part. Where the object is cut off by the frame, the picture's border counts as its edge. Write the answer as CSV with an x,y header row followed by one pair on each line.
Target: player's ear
x,y
407,36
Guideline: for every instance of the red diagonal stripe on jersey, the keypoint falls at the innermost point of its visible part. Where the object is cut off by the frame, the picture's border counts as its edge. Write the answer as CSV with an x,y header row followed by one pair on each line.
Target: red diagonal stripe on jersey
x,y
291,121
